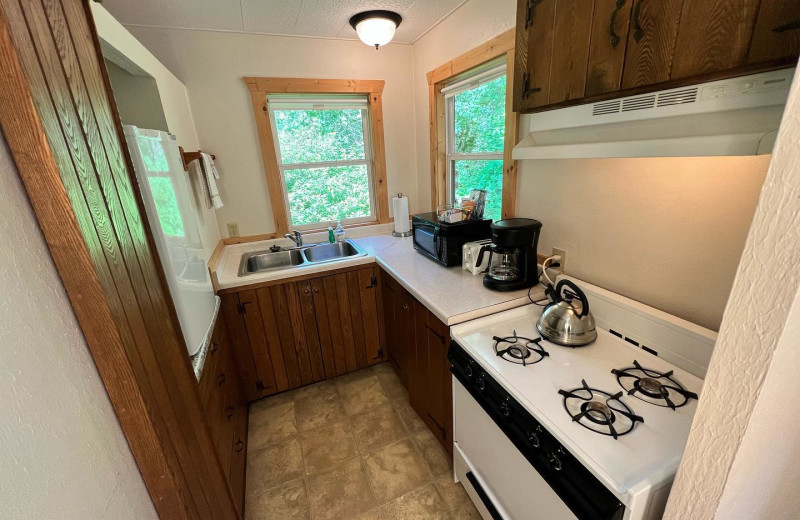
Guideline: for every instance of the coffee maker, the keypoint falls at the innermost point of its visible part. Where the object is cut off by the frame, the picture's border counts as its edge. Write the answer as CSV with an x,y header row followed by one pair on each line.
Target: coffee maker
x,y
512,254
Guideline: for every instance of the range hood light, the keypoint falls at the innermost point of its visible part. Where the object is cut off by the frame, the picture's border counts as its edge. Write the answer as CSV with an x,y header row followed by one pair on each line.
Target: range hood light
x,y
376,28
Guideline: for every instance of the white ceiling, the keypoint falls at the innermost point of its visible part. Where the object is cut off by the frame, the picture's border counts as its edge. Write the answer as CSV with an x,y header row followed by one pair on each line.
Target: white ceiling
x,y
316,18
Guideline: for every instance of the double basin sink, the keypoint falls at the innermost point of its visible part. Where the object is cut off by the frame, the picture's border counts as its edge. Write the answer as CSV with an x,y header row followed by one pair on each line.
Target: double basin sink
x,y
261,261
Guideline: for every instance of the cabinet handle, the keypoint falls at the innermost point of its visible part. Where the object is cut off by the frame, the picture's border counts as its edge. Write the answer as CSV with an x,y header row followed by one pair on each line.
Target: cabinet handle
x,y
404,306
614,36
239,446
787,26
229,412
214,347
306,291
222,378
316,289
638,31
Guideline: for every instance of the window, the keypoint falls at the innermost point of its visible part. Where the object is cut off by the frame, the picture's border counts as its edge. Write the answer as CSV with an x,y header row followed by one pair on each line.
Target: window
x,y
475,113
324,156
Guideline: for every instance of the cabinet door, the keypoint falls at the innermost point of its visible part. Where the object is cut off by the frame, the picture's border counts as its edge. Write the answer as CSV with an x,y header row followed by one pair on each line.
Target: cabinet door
x,y
571,35
609,40
651,42
282,319
241,349
346,307
534,53
391,306
777,32
259,361
714,35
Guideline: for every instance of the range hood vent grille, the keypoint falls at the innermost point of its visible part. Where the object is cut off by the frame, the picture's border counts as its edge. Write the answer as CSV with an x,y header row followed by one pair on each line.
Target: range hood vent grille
x,y
639,103
607,107
678,97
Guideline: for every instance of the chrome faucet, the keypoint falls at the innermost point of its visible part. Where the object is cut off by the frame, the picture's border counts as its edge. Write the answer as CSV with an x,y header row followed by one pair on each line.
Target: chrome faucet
x,y
295,237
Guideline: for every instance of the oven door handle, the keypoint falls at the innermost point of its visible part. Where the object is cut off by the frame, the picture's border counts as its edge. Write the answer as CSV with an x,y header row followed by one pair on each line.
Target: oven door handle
x,y
487,502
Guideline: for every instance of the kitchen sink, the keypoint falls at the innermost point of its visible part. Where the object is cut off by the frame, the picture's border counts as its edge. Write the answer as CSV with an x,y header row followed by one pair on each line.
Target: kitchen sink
x,y
328,252
269,261
261,261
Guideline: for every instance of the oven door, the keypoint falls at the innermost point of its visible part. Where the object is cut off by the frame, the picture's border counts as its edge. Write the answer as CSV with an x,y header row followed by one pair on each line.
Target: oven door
x,y
497,477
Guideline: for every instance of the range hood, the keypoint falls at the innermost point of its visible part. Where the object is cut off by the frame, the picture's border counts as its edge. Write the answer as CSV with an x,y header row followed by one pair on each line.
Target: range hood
x,y
737,116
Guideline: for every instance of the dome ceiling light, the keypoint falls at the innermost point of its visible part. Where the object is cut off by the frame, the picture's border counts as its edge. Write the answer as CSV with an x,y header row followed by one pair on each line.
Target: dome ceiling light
x,y
376,28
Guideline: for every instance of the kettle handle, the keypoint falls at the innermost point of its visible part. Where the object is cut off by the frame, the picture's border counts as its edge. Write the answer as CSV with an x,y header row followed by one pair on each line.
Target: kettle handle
x,y
578,292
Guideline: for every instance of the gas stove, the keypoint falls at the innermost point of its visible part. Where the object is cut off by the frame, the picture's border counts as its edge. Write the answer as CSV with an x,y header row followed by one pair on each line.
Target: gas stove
x,y
612,407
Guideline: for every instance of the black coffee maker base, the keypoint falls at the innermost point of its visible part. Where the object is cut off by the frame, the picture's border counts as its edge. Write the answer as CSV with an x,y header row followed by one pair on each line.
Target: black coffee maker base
x,y
505,285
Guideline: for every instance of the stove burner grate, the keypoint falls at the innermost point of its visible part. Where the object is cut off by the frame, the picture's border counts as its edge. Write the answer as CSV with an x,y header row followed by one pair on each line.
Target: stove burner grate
x,y
651,386
599,411
519,349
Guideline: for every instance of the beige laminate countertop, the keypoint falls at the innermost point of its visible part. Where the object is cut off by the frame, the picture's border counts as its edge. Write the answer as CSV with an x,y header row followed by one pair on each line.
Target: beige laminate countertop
x,y
452,294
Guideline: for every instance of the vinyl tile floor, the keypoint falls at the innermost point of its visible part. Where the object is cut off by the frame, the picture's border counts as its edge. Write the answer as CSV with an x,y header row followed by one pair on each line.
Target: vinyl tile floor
x,y
348,448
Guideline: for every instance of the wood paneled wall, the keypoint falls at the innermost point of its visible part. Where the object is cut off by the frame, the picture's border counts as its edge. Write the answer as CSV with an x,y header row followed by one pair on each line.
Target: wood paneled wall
x,y
60,121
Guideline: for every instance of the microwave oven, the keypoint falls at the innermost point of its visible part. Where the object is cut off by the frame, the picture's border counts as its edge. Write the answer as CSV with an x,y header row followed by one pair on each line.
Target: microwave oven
x,y
443,242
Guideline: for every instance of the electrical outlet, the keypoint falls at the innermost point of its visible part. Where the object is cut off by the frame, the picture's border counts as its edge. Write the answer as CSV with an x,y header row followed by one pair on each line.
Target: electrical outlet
x,y
563,261
233,229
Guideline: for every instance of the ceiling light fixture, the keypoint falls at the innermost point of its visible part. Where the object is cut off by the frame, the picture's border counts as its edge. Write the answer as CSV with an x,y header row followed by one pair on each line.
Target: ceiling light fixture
x,y
376,28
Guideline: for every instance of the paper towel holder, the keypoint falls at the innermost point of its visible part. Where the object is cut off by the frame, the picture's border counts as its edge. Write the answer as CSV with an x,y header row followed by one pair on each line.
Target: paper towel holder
x,y
400,233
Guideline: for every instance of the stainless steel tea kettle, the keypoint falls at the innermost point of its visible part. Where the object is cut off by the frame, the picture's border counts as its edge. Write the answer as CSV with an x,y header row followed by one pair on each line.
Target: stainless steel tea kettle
x,y
561,322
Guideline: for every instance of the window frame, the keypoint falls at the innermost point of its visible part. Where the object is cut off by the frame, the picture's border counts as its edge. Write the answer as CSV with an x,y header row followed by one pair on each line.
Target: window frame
x,y
368,161
478,59
450,125
260,88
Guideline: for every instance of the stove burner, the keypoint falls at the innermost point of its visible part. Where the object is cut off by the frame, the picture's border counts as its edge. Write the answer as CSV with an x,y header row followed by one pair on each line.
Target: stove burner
x,y
518,349
653,387
604,412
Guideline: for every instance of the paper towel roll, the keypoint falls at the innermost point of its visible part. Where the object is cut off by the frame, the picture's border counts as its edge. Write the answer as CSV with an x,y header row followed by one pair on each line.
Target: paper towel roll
x,y
400,212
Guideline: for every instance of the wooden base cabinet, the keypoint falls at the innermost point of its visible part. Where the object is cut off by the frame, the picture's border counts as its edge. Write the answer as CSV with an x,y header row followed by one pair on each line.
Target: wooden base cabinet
x,y
418,343
570,52
294,333
226,409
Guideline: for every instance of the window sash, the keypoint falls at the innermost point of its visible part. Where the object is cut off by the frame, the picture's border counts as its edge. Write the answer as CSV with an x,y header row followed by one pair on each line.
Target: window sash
x,y
368,161
469,83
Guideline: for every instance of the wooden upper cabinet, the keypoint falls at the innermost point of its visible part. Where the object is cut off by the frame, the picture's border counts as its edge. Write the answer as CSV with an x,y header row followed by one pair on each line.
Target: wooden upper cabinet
x,y
534,53
571,37
609,39
651,42
570,52
714,35
777,32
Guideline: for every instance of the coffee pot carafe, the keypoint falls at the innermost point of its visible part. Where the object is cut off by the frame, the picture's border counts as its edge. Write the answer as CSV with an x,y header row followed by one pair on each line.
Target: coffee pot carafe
x,y
512,260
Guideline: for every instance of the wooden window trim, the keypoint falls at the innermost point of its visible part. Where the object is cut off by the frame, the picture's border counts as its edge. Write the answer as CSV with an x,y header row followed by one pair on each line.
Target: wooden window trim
x,y
260,88
502,45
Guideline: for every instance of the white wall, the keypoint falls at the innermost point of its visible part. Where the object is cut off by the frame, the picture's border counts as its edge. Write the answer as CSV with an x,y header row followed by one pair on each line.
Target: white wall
x,y
174,101
62,452
667,232
741,457
212,65
472,24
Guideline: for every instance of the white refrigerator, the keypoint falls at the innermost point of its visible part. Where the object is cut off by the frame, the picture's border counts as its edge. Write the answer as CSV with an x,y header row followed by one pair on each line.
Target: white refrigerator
x,y
183,235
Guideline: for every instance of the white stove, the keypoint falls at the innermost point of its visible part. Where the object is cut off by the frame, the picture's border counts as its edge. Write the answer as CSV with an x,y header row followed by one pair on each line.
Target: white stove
x,y
616,416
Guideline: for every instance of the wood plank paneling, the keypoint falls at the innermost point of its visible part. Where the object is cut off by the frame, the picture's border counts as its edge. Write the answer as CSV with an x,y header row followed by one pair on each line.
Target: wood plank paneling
x,y
571,36
714,35
263,324
651,42
368,299
607,48
774,36
358,325
57,107
311,332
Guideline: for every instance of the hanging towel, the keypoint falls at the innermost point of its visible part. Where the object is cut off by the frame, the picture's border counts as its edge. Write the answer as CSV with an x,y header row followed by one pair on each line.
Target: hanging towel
x,y
205,169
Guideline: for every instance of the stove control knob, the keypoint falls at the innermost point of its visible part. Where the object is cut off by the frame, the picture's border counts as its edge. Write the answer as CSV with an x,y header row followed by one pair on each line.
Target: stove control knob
x,y
469,370
555,462
480,383
533,440
504,407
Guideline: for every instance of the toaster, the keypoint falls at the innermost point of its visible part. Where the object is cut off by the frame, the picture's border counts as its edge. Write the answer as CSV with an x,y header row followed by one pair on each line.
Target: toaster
x,y
470,257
